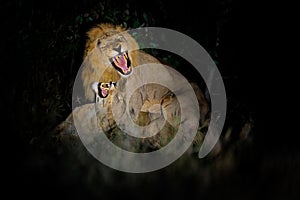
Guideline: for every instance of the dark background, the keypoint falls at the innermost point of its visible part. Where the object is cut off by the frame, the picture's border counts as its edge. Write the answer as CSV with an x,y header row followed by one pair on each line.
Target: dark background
x,y
43,43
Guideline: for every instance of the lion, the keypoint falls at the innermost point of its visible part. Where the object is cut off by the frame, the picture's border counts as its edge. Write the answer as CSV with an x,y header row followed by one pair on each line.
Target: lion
x,y
109,56
112,56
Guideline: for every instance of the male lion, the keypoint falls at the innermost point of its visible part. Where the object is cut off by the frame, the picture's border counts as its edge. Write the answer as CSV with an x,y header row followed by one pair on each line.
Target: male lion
x,y
111,56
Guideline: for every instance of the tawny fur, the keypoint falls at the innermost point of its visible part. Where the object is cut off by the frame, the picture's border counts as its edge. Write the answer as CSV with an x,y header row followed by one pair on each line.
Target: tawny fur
x,y
97,32
96,67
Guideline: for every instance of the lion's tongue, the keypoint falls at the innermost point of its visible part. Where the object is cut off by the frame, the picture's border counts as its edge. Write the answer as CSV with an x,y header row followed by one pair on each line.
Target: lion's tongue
x,y
122,63
104,92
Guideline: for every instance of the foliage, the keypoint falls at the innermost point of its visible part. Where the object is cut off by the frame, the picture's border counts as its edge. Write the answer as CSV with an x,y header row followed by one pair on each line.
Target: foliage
x,y
51,48
50,42
47,42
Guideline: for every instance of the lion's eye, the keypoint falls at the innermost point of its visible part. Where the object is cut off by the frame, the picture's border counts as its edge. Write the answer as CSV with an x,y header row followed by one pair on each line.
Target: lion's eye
x,y
98,42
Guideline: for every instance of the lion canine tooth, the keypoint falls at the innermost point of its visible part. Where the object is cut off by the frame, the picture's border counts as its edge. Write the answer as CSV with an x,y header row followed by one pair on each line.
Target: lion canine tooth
x,y
116,59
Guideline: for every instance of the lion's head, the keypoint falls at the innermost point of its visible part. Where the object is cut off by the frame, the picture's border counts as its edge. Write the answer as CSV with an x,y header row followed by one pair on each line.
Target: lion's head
x,y
109,54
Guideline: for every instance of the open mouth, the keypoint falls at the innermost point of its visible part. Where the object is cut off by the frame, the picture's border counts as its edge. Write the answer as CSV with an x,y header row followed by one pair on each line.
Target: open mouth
x,y
104,93
103,89
121,62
